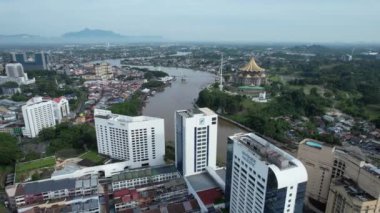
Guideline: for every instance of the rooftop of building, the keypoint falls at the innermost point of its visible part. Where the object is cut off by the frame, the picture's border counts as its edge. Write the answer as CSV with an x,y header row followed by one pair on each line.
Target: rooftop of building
x,y
144,172
76,205
37,100
108,115
265,150
190,205
211,196
353,190
191,112
252,66
251,88
37,187
202,182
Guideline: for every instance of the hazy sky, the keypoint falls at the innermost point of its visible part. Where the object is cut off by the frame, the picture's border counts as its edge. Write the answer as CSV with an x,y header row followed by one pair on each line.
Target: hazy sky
x,y
200,20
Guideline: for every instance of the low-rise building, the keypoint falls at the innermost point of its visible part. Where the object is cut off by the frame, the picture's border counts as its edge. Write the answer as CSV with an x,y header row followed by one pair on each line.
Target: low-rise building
x,y
34,194
146,188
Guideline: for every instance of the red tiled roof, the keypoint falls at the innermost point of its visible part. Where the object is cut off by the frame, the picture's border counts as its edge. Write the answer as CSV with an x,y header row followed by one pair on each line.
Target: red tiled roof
x,y
57,100
210,196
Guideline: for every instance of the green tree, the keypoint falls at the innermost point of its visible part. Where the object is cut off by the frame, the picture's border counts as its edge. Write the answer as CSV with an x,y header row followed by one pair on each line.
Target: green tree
x,y
9,150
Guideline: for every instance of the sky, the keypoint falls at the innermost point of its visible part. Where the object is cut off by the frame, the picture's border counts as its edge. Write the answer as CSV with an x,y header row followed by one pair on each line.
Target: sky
x,y
200,20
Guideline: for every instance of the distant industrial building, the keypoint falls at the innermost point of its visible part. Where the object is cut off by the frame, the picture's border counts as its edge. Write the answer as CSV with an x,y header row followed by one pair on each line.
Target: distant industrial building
x,y
40,61
40,113
139,140
15,73
261,177
339,180
195,140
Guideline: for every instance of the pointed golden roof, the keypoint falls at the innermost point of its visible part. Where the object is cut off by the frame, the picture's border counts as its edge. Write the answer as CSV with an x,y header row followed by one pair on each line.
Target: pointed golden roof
x,y
252,67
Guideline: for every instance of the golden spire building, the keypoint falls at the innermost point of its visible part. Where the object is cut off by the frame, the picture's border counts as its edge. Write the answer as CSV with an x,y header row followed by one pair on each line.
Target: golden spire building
x,y
251,75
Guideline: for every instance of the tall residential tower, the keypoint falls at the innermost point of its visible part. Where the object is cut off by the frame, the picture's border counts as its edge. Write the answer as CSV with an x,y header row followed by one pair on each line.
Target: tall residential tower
x,y
38,114
195,140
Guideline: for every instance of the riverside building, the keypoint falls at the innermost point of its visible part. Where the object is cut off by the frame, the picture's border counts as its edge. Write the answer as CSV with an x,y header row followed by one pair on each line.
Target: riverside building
x,y
195,140
262,178
138,140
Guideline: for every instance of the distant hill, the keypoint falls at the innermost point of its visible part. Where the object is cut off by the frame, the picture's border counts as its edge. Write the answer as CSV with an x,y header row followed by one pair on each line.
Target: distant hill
x,y
84,36
19,36
88,33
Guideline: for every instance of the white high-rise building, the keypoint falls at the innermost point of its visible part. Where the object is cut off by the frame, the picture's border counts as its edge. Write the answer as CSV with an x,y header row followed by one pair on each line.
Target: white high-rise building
x,y
195,140
15,73
139,140
261,177
61,108
38,114
14,70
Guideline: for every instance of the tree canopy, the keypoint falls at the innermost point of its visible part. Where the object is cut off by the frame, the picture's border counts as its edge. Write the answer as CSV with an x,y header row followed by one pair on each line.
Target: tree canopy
x,y
9,150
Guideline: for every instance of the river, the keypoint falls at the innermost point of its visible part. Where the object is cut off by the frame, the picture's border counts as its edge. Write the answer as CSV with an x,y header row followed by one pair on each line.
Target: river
x,y
181,95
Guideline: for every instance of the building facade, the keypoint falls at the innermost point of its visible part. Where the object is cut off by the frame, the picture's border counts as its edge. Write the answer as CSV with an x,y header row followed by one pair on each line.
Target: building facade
x,y
340,180
61,108
262,178
318,160
15,73
195,140
103,71
41,61
139,140
38,114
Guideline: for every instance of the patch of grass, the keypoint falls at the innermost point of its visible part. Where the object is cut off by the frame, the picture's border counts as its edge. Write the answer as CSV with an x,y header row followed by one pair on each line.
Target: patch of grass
x,y
372,111
23,170
35,164
92,156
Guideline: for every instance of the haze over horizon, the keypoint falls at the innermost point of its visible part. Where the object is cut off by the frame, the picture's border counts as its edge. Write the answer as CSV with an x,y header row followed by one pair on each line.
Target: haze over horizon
x,y
196,20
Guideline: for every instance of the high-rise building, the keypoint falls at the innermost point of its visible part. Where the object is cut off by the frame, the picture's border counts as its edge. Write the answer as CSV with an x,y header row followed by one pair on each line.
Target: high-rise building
x,y
61,108
340,180
15,73
139,140
261,177
38,114
14,70
40,61
195,140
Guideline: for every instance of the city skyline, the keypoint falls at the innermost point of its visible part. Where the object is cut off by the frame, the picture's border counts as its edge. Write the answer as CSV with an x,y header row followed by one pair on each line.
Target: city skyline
x,y
234,21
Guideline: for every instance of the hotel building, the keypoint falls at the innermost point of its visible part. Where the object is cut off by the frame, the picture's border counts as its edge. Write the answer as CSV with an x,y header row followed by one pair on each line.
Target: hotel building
x,y
262,178
139,140
195,140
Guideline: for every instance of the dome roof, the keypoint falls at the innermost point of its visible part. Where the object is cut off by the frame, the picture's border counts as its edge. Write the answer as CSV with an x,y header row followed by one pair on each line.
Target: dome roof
x,y
252,67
